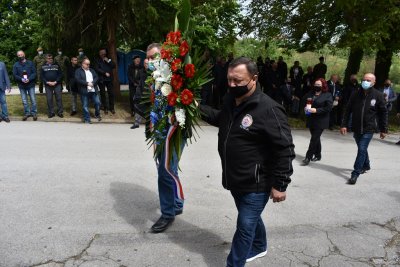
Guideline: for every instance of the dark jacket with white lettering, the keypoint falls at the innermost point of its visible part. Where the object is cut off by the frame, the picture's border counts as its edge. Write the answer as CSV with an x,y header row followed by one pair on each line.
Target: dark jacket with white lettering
x,y
51,73
367,108
254,143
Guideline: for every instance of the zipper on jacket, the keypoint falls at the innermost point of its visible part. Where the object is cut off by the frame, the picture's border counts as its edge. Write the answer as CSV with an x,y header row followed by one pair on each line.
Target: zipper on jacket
x,y
362,115
257,174
225,142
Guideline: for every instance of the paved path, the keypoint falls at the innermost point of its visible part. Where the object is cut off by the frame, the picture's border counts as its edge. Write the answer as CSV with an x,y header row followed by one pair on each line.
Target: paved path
x,y
85,195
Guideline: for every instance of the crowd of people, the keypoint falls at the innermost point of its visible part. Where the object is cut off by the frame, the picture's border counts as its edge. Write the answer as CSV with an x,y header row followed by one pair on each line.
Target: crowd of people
x,y
53,74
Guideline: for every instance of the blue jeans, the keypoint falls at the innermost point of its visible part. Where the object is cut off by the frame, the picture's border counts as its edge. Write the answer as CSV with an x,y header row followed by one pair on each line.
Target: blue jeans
x,y
3,104
24,95
85,105
362,160
250,237
169,203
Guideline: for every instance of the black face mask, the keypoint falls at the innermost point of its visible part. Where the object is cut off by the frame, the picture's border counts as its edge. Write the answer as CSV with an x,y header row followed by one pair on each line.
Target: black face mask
x,y
238,91
387,85
317,89
21,58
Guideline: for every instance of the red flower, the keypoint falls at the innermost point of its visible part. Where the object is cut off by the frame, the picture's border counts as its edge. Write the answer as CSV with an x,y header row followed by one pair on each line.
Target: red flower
x,y
189,70
186,97
176,64
176,81
174,37
184,48
172,97
152,97
166,54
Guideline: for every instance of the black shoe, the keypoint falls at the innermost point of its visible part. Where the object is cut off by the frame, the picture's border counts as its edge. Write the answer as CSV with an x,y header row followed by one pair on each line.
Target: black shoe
x,y
306,161
353,179
24,118
35,117
60,115
162,224
178,212
73,113
106,112
364,170
398,143
316,158
113,112
87,122
135,126
51,115
98,118
6,120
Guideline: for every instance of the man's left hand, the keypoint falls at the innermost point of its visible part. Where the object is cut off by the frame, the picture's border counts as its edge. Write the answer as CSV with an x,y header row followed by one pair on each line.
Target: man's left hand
x,y
383,135
277,196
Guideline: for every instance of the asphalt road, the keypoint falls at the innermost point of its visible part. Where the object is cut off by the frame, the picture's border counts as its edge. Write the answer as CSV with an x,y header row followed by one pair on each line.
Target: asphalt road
x,y
86,195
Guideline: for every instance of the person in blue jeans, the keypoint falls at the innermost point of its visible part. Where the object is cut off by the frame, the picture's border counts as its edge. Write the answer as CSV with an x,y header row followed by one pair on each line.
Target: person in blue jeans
x,y
367,107
256,149
86,79
4,85
24,73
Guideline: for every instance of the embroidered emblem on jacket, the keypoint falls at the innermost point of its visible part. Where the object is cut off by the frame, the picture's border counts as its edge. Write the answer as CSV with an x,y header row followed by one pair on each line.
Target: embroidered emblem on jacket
x,y
247,121
373,101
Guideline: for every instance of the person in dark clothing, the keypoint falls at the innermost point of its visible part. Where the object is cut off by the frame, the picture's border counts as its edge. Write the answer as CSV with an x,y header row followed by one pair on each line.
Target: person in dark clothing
x,y
256,150
398,112
138,107
319,104
134,76
104,68
286,93
86,78
51,75
219,86
73,87
308,81
336,91
283,70
368,107
273,83
350,88
296,76
320,69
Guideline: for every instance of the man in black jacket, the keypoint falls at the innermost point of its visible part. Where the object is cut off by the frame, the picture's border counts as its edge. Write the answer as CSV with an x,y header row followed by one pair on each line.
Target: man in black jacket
x,y
86,79
104,68
51,75
256,150
367,106
398,112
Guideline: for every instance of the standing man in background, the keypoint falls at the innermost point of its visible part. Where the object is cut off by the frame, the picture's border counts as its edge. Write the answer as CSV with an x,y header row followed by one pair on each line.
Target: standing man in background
x,y
320,69
104,68
4,85
39,60
62,61
51,75
24,73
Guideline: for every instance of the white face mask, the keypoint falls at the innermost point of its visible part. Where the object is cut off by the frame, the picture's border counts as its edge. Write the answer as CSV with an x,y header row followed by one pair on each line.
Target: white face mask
x,y
40,53
60,53
81,53
366,85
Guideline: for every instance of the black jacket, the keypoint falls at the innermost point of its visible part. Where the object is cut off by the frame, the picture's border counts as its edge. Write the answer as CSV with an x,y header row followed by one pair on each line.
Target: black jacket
x,y
80,78
323,104
254,143
73,86
367,109
102,67
51,73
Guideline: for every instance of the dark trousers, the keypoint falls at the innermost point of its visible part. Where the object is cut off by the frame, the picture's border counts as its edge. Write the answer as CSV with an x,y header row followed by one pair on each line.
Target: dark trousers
x,y
314,149
132,93
107,105
50,91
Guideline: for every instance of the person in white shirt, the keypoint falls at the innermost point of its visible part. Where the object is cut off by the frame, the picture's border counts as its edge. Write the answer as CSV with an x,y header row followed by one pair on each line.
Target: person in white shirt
x,y
86,79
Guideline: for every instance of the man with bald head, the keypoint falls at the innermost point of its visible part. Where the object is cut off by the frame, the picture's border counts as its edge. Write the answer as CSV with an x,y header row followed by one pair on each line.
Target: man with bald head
x,y
368,107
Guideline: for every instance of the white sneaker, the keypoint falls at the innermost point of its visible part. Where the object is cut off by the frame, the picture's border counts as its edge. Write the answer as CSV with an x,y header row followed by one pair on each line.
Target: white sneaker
x,y
260,255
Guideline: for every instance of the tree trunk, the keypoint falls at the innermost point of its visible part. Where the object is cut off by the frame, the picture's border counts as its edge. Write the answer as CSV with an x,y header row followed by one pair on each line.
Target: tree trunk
x,y
112,49
353,63
383,61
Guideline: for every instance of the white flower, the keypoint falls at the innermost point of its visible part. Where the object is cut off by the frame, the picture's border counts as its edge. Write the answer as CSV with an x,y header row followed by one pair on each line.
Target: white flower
x,y
180,116
157,85
166,89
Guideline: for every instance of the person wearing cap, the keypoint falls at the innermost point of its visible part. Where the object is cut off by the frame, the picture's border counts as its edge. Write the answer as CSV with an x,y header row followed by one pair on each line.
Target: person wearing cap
x,y
39,60
51,75
320,69
134,75
81,56
104,67
62,61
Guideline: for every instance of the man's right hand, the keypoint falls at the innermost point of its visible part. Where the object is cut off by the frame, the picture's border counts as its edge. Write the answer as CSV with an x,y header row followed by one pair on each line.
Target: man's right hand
x,y
343,130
